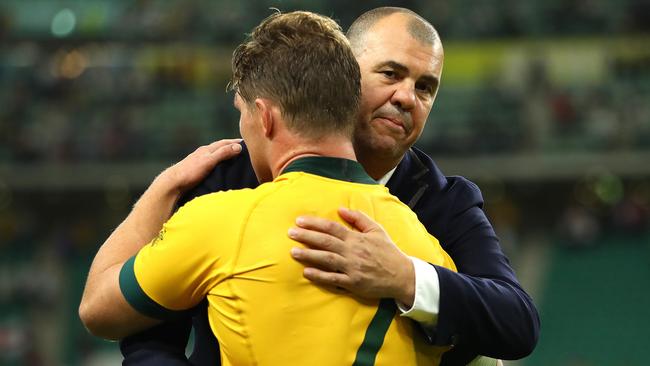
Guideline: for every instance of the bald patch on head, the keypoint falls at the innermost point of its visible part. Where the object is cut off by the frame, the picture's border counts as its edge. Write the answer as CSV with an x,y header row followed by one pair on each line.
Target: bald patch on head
x,y
417,27
422,31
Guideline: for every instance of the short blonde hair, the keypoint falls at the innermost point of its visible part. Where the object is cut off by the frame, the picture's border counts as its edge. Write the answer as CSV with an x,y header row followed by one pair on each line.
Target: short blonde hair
x,y
303,62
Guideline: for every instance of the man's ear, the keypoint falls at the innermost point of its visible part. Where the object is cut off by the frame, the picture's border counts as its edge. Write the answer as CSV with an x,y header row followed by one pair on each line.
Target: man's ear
x,y
268,115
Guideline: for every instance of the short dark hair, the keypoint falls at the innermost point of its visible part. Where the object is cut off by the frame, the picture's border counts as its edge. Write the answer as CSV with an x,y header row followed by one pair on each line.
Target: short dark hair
x,y
303,62
418,27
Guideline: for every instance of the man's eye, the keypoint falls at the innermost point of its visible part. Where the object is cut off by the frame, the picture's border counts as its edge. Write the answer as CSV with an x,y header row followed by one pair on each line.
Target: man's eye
x,y
388,73
425,88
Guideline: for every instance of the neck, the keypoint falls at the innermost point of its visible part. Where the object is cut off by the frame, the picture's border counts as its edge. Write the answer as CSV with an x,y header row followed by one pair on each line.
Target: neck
x,y
377,165
332,146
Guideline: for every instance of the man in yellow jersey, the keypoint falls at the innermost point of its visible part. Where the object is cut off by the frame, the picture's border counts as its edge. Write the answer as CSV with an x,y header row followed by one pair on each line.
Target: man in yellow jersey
x,y
297,87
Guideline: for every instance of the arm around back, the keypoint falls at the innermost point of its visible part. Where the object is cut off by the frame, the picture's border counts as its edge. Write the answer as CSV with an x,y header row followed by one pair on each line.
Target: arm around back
x,y
166,343
483,309
483,305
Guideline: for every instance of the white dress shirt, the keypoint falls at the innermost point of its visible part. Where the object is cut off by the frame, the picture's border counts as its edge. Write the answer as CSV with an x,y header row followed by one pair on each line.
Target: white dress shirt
x,y
427,286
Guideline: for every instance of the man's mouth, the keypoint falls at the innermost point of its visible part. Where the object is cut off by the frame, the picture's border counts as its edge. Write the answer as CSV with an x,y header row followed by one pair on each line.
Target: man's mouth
x,y
392,123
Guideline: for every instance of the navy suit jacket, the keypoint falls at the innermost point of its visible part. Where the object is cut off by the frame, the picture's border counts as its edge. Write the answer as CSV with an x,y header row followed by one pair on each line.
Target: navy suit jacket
x,y
483,309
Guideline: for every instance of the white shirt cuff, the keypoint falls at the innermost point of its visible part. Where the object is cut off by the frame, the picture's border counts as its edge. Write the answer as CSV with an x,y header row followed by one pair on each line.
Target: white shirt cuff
x,y
427,294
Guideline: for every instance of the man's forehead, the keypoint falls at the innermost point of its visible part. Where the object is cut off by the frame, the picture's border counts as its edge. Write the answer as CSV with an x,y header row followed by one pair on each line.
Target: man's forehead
x,y
403,57
396,40
407,24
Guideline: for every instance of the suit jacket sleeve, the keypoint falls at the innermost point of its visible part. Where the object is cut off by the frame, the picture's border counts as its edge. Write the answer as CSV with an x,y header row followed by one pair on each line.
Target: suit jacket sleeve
x,y
483,309
483,306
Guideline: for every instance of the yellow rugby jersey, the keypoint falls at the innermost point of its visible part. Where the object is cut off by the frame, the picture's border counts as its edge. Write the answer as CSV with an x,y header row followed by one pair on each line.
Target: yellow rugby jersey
x,y
232,247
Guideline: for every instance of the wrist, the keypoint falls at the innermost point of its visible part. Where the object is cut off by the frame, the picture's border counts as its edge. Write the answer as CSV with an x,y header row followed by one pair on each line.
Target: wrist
x,y
156,205
168,182
406,283
426,300
164,190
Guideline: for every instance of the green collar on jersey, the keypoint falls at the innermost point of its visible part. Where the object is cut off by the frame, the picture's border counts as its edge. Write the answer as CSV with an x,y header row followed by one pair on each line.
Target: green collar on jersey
x,y
335,168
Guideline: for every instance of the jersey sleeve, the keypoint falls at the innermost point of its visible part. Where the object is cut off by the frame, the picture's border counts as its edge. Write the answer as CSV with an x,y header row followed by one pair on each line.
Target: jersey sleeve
x,y
175,271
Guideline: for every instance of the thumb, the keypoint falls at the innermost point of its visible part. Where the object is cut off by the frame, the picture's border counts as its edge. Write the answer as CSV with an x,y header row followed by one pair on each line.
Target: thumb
x,y
359,220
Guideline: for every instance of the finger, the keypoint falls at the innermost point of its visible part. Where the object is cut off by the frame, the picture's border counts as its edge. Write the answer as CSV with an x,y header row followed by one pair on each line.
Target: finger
x,y
320,259
316,239
221,143
359,220
224,153
322,225
325,278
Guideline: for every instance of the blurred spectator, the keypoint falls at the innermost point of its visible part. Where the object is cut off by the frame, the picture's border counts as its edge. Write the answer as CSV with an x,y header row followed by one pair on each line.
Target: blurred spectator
x,y
579,227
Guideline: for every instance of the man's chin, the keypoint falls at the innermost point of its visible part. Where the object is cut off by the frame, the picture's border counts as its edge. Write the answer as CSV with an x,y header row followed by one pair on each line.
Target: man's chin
x,y
379,142
386,146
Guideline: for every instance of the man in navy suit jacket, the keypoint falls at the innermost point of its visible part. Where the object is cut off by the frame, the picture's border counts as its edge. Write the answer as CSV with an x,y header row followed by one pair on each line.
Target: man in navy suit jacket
x,y
480,310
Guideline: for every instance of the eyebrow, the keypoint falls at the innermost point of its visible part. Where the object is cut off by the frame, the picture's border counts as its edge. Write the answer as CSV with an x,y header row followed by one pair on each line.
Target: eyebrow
x,y
429,79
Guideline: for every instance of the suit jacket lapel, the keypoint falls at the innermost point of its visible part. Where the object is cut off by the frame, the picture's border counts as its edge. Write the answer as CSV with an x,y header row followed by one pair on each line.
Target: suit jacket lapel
x,y
408,183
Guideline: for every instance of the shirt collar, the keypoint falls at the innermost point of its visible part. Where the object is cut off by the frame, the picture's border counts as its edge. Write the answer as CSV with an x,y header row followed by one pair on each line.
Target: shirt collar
x,y
335,168
383,180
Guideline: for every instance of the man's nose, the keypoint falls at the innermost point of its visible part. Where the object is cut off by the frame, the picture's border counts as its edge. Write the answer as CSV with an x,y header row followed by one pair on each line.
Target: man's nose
x,y
404,95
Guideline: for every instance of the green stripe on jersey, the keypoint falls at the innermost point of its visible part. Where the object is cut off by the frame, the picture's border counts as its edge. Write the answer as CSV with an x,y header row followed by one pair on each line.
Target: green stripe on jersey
x,y
375,334
138,299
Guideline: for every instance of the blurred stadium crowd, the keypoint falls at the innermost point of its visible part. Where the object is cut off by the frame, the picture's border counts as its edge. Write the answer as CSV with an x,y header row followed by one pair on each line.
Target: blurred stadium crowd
x,y
127,85
146,80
